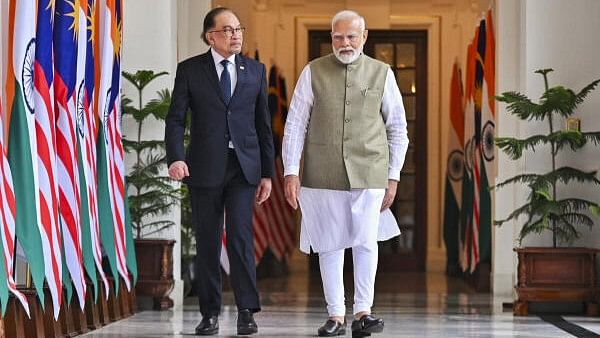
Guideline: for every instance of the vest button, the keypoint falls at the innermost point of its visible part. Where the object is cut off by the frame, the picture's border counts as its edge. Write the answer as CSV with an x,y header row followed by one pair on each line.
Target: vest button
x,y
347,120
348,85
348,102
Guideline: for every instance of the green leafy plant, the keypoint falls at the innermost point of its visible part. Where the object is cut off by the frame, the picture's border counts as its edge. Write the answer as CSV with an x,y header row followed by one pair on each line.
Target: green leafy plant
x,y
150,194
544,210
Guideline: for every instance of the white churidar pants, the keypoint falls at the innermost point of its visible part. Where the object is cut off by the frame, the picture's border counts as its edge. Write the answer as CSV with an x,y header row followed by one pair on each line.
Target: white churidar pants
x,y
333,220
332,274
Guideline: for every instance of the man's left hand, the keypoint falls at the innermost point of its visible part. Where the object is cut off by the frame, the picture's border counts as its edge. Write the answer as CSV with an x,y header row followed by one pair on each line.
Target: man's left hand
x,y
390,193
263,191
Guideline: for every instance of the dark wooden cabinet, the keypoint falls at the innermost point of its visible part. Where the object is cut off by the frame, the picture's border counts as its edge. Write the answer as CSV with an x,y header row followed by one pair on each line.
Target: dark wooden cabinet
x,y
556,274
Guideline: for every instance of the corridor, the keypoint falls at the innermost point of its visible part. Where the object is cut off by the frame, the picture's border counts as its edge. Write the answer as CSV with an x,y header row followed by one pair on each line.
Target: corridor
x,y
412,305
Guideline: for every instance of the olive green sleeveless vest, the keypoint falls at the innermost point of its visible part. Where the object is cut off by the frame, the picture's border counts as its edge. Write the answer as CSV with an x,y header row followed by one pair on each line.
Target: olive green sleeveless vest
x,y
346,143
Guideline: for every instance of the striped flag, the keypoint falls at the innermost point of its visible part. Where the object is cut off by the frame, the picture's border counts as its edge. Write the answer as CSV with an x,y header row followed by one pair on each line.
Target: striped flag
x,y
87,136
115,135
131,259
277,106
43,98
466,212
7,196
111,190
280,216
69,66
22,143
7,230
224,258
454,171
487,155
479,127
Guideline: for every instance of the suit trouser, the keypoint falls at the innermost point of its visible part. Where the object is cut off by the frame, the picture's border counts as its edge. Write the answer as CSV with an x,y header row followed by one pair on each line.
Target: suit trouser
x,y
331,264
236,198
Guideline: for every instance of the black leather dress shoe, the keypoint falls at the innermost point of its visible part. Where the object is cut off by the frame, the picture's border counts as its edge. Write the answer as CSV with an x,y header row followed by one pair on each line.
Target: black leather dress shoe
x,y
209,325
245,323
332,328
366,325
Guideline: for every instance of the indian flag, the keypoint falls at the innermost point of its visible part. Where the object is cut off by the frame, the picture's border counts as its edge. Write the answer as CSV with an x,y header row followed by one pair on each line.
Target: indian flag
x,y
7,228
466,212
454,171
7,195
22,142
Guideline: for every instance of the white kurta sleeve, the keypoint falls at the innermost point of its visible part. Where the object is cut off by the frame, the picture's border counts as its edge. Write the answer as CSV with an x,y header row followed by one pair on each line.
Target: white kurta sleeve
x,y
296,123
394,116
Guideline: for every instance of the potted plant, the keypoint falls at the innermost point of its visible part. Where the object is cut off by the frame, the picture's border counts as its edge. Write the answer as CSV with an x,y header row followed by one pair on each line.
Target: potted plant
x,y
552,273
151,194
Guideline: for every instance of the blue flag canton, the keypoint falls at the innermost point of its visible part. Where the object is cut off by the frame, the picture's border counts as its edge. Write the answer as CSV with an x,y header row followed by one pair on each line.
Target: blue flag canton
x,y
66,33
43,50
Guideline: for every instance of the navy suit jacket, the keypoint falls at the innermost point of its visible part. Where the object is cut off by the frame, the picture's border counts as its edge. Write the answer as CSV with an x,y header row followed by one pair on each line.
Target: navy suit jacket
x,y
197,89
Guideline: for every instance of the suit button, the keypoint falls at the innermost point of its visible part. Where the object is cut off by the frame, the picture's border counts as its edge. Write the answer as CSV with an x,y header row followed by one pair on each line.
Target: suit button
x,y
228,113
348,85
347,120
348,102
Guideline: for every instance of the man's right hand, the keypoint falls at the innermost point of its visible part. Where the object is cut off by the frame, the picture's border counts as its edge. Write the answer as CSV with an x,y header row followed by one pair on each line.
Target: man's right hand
x,y
178,170
292,188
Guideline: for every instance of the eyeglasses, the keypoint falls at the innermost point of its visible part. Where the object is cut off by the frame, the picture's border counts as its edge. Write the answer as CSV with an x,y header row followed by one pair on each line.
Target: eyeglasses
x,y
229,32
337,37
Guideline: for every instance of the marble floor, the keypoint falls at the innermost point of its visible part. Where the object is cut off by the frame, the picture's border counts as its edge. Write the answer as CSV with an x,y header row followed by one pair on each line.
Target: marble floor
x,y
412,305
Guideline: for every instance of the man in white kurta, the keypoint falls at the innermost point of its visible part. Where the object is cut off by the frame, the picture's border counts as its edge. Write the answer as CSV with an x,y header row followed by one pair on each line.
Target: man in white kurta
x,y
347,116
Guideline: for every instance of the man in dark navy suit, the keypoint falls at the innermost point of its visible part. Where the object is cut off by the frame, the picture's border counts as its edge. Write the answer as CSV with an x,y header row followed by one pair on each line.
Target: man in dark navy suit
x,y
227,165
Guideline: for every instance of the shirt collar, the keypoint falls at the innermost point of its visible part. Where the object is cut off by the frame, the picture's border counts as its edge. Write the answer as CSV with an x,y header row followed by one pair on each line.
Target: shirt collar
x,y
218,58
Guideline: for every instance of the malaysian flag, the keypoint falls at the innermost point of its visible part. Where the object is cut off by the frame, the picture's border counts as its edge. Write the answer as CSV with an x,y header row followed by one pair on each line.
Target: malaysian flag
x,y
69,64
45,127
111,187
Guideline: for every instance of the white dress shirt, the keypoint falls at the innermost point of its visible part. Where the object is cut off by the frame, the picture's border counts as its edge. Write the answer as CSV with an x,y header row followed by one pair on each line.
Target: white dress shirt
x,y
230,66
232,72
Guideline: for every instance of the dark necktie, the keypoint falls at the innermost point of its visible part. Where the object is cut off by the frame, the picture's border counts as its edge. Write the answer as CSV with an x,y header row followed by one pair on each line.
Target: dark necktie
x,y
225,82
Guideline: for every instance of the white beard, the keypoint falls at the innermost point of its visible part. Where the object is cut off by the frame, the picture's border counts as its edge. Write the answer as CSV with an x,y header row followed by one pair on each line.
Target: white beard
x,y
346,59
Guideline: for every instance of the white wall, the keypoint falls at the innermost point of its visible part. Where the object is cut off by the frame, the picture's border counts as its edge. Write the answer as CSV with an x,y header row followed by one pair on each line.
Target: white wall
x,y
189,35
536,34
150,42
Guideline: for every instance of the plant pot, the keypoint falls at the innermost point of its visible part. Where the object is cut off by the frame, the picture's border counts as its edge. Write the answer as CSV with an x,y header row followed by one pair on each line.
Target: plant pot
x,y
155,271
556,274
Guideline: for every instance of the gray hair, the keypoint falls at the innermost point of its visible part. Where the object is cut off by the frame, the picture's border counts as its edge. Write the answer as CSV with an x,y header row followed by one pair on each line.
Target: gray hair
x,y
348,15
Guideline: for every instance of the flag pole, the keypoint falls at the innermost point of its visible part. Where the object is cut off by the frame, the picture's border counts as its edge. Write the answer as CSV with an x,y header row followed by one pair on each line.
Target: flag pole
x,y
27,276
